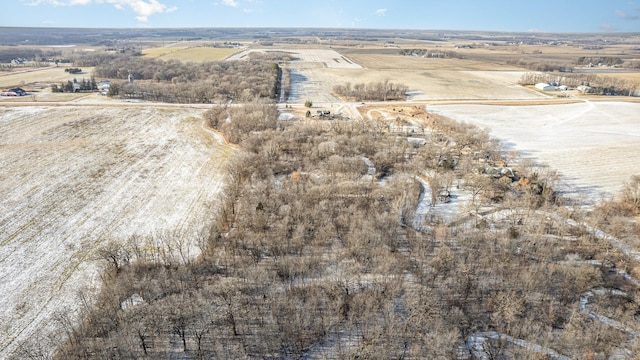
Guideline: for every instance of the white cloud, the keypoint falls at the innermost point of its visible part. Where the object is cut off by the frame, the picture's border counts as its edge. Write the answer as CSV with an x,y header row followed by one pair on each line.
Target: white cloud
x,y
231,3
52,2
381,12
623,15
142,8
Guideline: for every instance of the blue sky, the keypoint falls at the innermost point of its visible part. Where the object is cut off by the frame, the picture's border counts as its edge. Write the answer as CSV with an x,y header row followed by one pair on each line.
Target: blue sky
x,y
494,15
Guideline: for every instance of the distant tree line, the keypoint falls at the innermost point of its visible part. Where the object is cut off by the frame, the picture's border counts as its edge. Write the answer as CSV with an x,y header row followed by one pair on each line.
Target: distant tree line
x,y
432,53
31,54
551,66
599,85
597,60
543,66
378,91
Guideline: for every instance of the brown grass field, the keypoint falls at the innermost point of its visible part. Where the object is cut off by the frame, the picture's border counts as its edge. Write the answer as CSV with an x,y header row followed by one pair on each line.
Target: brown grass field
x,y
46,75
399,62
427,79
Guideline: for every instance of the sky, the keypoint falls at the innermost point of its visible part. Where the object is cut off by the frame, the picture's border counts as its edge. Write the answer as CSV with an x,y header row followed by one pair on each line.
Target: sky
x,y
488,15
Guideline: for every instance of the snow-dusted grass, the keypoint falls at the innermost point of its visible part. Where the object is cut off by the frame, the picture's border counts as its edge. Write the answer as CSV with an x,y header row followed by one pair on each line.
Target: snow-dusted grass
x,y
74,178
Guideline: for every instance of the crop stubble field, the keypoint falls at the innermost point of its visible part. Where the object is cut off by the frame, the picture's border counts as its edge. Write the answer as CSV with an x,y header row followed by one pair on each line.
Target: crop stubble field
x,y
427,79
75,178
194,54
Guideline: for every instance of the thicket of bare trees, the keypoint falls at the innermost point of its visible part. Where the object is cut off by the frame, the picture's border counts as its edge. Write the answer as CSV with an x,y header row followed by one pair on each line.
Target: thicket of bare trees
x,y
599,60
380,91
433,53
568,67
314,252
174,81
237,123
544,66
627,204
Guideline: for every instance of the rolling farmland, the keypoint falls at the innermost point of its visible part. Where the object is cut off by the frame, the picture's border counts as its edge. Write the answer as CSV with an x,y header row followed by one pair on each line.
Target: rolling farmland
x,y
75,178
81,172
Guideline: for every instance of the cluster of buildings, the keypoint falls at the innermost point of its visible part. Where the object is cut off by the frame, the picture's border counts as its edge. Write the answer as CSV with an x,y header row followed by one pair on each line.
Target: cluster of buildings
x,y
553,86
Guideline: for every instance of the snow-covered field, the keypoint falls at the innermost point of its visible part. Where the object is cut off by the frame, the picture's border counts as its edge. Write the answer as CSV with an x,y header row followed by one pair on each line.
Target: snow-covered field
x,y
595,146
73,178
329,58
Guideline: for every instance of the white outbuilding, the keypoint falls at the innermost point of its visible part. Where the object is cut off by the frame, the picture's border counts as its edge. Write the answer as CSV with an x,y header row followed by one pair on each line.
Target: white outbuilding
x,y
584,89
545,87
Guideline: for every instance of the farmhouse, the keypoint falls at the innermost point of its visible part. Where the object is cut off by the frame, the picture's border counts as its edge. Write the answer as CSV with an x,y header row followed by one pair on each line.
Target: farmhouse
x,y
104,85
545,87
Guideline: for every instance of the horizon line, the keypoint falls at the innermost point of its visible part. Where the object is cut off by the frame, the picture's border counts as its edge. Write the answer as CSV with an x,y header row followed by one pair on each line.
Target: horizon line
x,y
536,31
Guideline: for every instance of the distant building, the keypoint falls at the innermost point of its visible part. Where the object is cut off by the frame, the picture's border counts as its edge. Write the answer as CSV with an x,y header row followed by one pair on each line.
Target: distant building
x,y
584,89
76,85
104,85
545,87
15,92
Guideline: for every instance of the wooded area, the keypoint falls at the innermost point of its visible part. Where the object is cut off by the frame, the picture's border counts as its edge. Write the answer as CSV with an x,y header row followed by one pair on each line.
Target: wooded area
x,y
177,82
379,91
312,254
